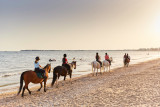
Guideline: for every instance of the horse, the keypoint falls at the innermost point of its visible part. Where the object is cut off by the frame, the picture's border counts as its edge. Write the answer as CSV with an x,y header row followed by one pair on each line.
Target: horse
x,y
95,65
63,71
31,76
106,64
126,62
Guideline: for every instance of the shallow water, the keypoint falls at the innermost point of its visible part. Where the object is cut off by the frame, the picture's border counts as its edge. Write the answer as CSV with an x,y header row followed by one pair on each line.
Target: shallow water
x,y
14,63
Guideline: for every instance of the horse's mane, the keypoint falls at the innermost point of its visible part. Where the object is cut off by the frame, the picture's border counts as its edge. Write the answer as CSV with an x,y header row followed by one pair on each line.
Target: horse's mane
x,y
46,66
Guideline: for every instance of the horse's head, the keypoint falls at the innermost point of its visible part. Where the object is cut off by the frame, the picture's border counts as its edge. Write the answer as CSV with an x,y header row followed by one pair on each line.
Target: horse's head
x,y
127,60
111,59
74,64
48,68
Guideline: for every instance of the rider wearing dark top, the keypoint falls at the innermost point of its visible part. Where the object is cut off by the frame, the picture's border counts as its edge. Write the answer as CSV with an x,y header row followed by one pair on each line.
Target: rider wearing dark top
x,y
98,59
127,56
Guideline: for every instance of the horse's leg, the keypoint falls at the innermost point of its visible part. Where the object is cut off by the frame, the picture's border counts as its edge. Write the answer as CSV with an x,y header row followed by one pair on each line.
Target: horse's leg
x,y
70,77
97,71
40,87
28,90
25,87
45,85
23,91
57,80
100,70
64,80
92,70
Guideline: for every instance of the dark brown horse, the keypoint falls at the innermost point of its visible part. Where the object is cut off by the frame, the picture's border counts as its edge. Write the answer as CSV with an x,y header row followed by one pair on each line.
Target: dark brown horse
x,y
31,76
63,71
126,62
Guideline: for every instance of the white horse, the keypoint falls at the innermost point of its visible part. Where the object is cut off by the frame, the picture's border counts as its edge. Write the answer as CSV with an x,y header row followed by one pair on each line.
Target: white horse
x,y
95,65
106,64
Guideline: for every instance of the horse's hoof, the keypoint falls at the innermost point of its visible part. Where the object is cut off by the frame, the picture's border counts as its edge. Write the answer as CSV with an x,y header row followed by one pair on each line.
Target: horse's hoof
x,y
38,90
44,90
30,93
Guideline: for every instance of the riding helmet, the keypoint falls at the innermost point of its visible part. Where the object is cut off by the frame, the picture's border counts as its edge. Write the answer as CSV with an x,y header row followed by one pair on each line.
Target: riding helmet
x,y
65,55
37,58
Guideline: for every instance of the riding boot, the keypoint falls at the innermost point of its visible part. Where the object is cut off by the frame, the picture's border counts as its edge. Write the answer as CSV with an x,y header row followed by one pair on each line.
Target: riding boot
x,y
44,76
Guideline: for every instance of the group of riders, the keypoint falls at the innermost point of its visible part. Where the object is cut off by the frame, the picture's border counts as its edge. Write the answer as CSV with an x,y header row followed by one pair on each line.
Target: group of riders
x,y
98,58
126,58
38,68
65,62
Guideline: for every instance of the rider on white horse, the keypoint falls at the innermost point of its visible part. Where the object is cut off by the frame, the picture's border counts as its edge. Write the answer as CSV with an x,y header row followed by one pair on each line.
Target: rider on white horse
x,y
98,59
107,58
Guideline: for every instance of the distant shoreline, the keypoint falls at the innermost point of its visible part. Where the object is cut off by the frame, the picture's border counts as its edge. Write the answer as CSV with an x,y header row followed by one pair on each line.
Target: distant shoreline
x,y
141,49
94,50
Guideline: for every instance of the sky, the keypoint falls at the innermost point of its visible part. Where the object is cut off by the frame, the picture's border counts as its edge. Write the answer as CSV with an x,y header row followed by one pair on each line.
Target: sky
x,y
79,24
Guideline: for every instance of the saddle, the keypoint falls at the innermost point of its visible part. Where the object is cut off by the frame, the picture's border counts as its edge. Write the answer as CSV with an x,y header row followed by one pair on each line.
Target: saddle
x,y
40,75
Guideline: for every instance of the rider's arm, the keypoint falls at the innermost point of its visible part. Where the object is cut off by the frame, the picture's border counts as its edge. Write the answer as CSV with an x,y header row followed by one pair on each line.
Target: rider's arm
x,y
66,60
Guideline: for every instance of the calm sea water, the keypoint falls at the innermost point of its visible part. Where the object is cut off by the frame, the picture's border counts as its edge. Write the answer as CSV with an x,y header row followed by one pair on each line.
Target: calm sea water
x,y
12,64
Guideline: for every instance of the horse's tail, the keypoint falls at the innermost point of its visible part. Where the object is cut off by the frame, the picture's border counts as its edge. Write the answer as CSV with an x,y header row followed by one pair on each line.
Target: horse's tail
x,y
92,66
54,77
21,83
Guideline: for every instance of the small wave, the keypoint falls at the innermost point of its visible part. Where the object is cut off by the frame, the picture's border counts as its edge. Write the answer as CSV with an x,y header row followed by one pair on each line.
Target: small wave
x,y
8,75
82,71
8,84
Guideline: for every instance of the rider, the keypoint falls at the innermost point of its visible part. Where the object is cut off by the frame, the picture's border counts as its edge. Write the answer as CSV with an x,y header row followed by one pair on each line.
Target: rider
x,y
98,59
65,62
37,67
124,57
107,58
127,56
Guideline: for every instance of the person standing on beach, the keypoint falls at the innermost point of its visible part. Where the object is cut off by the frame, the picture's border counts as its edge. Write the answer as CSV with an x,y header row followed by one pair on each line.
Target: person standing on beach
x,y
38,66
107,58
98,59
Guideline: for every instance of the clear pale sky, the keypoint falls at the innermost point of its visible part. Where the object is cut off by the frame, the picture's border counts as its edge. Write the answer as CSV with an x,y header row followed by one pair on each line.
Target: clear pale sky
x,y
79,24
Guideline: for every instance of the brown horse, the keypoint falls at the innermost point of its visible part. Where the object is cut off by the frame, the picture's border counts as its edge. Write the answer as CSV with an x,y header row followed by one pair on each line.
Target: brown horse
x,y
31,76
63,71
126,62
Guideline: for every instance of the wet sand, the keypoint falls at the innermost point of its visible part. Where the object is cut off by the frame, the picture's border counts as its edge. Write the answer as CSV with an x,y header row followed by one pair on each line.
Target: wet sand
x,y
137,85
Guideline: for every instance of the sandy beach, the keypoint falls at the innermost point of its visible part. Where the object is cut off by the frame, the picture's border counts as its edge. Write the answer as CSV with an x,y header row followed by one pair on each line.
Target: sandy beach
x,y
137,85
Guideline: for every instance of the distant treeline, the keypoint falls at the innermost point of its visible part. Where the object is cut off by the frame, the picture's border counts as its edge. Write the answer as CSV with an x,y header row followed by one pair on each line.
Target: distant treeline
x,y
141,49
149,49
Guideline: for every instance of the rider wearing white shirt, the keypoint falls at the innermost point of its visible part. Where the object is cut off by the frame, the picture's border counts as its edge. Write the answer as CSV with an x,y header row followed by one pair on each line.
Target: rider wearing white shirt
x,y
37,66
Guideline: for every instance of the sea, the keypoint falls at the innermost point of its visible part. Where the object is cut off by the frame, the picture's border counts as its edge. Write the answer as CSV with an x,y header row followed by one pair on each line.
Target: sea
x,y
13,63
